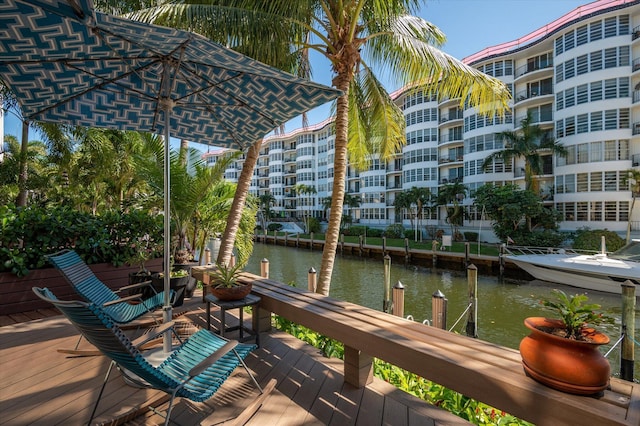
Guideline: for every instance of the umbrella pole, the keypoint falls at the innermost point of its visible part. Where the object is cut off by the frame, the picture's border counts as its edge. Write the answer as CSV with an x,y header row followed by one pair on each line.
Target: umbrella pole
x,y
166,310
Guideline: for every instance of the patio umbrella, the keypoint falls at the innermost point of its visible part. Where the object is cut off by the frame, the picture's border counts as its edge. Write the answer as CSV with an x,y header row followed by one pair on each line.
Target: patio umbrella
x,y
67,63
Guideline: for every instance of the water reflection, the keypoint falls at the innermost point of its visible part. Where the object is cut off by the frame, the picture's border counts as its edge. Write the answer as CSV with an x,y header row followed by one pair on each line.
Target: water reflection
x,y
502,306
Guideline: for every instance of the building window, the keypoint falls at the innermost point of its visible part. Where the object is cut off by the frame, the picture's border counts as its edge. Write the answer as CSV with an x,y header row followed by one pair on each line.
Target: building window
x,y
595,182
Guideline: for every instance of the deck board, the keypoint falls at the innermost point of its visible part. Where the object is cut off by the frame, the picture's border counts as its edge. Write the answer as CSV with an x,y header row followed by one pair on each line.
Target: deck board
x,y
43,387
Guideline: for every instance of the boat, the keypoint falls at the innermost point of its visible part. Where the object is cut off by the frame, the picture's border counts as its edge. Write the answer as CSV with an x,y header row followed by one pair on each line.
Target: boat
x,y
596,271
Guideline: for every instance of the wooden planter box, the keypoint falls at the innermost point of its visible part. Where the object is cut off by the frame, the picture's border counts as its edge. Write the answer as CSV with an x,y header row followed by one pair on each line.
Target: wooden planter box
x,y
16,295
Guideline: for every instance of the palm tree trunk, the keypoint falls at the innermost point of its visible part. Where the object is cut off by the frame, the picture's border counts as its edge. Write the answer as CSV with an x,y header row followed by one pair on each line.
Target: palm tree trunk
x,y
339,182
633,202
184,148
24,167
233,221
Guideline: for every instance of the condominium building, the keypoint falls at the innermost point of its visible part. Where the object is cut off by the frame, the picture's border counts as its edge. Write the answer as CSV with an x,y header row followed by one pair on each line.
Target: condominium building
x,y
577,77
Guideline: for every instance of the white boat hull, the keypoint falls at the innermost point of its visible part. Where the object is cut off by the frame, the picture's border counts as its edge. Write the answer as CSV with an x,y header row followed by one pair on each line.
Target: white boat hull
x,y
597,273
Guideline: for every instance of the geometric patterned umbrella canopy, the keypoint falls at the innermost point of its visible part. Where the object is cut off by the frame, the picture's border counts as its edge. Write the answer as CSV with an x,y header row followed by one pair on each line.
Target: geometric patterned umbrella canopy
x,y
67,63
75,65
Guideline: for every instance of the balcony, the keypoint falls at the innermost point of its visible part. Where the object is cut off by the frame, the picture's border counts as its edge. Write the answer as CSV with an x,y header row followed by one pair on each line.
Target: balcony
x,y
449,117
529,68
450,138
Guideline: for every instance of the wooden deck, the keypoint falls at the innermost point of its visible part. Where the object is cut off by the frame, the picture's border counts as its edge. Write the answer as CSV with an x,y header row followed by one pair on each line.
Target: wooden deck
x,y
40,386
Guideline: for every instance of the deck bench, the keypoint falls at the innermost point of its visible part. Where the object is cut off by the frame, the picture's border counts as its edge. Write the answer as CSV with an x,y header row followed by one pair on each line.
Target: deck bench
x,y
481,370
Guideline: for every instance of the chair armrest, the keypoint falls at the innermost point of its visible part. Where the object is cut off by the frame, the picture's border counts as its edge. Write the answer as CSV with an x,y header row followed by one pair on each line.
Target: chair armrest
x,y
123,299
211,359
134,286
153,334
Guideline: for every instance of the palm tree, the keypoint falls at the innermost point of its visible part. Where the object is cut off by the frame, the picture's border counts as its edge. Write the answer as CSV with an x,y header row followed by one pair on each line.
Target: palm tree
x,y
453,193
633,178
367,121
35,159
528,143
421,197
302,189
266,200
402,202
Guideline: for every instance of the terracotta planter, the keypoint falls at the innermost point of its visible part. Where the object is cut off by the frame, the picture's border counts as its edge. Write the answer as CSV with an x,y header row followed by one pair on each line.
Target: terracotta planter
x,y
571,366
231,293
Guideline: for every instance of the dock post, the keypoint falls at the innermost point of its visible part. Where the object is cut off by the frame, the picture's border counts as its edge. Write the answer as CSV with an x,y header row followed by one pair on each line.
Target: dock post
x,y
627,357
501,258
384,245
341,243
466,255
264,268
434,249
311,242
275,237
398,300
297,239
439,310
386,303
286,237
360,242
312,280
472,321
407,253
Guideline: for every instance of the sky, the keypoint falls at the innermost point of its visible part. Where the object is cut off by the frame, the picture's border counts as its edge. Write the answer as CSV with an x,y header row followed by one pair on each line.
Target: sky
x,y
470,26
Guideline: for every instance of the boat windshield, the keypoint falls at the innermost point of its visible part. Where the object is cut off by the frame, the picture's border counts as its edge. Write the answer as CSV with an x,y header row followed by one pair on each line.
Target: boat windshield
x,y
629,252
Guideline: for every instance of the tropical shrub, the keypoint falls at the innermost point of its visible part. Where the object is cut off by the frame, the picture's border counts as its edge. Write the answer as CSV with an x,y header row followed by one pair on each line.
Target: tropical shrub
x,y
356,230
274,227
471,236
374,232
28,234
586,239
394,231
314,224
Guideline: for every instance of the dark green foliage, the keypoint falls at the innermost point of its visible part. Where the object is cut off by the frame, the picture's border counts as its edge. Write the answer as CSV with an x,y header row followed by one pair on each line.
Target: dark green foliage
x,y
394,231
546,238
28,234
314,225
374,232
518,214
355,231
274,227
471,236
590,239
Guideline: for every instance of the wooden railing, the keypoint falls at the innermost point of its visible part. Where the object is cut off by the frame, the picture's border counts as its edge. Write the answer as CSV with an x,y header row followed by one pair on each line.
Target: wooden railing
x,y
484,371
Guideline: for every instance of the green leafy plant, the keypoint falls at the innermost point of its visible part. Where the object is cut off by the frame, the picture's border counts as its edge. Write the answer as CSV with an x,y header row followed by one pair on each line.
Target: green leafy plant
x,y
225,276
575,313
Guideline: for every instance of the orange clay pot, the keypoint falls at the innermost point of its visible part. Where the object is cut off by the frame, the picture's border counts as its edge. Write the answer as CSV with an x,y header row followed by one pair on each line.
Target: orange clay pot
x,y
568,365
231,293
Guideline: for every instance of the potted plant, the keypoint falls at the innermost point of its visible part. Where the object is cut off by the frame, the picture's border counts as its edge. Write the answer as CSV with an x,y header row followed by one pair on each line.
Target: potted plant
x,y
224,282
178,280
183,260
564,353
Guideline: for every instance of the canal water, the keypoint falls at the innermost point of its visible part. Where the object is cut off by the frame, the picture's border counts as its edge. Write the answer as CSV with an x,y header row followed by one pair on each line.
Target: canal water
x,y
502,306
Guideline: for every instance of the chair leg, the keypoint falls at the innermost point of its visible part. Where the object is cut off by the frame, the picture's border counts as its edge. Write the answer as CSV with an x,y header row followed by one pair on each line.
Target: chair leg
x,y
170,408
104,383
255,382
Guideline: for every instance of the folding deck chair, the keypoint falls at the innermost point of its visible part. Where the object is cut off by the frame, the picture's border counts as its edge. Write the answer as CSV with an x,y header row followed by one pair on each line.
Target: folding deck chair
x,y
194,371
87,285
91,289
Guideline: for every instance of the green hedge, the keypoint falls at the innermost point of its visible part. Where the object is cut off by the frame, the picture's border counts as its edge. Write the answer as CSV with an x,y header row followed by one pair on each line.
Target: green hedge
x,y
28,234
